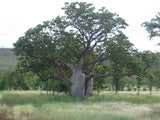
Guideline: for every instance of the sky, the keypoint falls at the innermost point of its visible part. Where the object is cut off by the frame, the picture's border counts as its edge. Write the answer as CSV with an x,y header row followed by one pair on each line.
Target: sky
x,y
17,16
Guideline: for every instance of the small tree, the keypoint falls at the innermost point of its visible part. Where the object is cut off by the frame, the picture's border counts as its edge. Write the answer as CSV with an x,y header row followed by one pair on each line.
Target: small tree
x,y
151,82
139,83
157,78
2,83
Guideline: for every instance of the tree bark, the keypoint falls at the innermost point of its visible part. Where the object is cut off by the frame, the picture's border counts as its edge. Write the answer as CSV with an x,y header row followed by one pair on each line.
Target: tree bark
x,y
138,91
117,85
116,80
78,84
89,87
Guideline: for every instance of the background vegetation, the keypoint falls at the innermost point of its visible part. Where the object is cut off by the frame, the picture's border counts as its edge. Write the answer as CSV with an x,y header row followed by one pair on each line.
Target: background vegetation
x,y
7,59
12,78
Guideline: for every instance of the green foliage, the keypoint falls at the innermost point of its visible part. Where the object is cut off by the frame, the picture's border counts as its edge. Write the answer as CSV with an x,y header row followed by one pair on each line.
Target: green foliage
x,y
15,80
77,38
99,84
156,74
6,82
54,85
11,80
84,40
149,59
153,27
139,81
1,82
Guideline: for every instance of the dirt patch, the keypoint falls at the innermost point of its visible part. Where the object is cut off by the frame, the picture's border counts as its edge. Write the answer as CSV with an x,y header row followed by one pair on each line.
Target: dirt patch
x,y
7,116
4,116
157,111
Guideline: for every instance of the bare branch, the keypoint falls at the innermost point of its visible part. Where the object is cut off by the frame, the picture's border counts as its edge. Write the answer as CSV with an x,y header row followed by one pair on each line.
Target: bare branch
x,y
102,32
82,32
81,42
90,38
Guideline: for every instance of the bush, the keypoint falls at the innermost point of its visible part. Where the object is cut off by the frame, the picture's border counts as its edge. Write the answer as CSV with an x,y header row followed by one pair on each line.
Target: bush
x,y
135,89
109,89
129,89
144,89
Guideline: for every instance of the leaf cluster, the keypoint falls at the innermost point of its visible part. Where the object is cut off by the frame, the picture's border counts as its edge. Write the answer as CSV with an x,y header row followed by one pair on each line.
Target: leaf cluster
x,y
153,27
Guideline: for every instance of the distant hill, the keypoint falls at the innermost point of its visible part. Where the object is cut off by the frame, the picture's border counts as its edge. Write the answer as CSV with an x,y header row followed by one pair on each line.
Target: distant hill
x,y
7,59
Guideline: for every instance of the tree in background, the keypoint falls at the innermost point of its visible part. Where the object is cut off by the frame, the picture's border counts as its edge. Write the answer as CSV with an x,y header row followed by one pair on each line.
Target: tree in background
x,y
1,82
151,82
156,74
153,27
139,83
70,47
99,82
12,80
149,60
6,80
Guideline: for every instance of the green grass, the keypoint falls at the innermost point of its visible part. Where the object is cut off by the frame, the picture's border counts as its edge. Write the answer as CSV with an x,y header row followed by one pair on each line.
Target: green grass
x,y
106,106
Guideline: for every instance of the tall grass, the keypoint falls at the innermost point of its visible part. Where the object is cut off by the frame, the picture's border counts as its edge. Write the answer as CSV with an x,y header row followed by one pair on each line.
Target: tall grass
x,y
40,106
39,99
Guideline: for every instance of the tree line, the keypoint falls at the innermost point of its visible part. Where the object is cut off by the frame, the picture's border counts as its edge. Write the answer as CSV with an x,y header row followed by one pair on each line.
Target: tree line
x,y
20,80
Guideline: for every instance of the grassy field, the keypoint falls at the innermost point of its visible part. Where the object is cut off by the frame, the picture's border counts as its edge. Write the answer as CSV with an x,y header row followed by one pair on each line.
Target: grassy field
x,y
34,105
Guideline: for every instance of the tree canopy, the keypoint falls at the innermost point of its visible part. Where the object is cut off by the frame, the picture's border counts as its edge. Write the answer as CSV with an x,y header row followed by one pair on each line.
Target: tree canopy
x,y
153,27
70,47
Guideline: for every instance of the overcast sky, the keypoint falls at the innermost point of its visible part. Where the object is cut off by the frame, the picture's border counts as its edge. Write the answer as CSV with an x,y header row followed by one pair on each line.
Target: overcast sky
x,y
17,16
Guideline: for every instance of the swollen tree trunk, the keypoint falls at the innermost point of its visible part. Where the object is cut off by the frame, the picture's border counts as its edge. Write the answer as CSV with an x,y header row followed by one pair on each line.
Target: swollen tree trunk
x,y
78,84
89,87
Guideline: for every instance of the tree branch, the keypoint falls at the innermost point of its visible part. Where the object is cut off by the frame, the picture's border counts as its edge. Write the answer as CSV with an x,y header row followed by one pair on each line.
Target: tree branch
x,y
91,68
113,74
102,32
55,67
101,59
61,75
70,66
52,77
47,78
82,32
83,55
90,38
